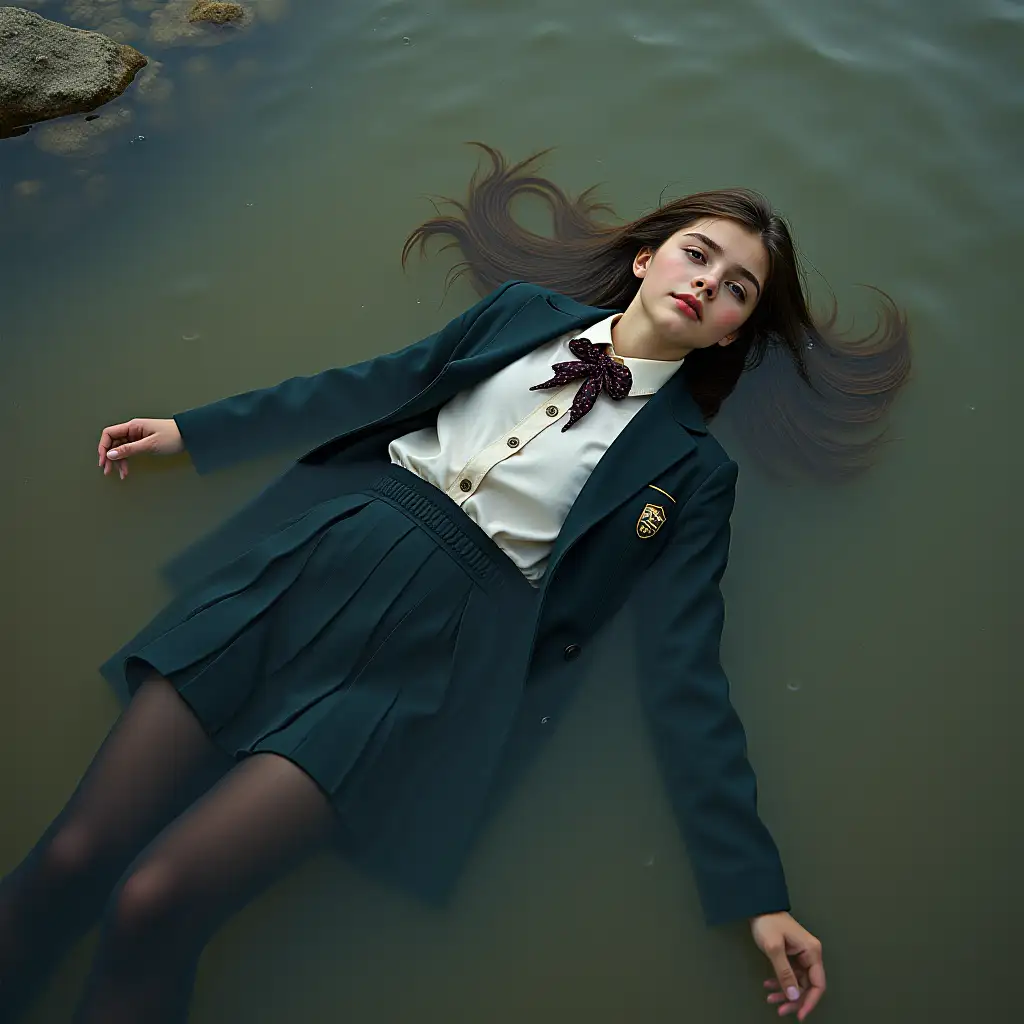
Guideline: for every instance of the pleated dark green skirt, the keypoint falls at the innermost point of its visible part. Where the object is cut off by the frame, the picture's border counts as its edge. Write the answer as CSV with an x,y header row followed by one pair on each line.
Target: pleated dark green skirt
x,y
368,641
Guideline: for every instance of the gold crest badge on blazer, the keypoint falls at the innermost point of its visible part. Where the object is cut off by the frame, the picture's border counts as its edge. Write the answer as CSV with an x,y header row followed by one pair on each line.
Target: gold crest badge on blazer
x,y
651,520
653,517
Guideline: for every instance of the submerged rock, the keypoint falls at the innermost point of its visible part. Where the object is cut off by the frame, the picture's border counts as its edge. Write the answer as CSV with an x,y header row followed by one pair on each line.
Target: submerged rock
x,y
175,23
48,70
216,12
81,138
121,30
152,85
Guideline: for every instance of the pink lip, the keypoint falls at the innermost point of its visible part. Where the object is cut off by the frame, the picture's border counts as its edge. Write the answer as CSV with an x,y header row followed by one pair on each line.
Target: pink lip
x,y
690,305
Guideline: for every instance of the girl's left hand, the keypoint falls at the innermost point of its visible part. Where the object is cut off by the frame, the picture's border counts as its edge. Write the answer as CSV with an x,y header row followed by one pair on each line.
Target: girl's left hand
x,y
797,989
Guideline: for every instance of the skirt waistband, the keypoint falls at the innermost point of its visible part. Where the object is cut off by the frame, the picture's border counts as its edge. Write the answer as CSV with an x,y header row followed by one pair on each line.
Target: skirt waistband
x,y
462,537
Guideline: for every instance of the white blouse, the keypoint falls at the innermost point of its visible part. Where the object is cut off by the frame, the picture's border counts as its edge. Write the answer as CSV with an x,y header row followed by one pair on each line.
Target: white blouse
x,y
498,449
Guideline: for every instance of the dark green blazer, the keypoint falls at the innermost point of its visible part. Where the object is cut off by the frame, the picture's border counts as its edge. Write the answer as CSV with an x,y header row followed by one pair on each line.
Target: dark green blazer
x,y
605,555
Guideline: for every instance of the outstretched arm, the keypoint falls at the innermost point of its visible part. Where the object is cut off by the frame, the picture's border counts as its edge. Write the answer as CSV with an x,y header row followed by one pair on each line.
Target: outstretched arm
x,y
699,739
321,406
701,745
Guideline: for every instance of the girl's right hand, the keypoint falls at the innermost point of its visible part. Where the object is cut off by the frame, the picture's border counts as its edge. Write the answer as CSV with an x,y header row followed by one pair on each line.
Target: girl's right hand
x,y
137,436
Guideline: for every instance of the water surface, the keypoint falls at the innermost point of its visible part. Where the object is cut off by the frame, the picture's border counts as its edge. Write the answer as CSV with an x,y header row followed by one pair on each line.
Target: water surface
x,y
241,223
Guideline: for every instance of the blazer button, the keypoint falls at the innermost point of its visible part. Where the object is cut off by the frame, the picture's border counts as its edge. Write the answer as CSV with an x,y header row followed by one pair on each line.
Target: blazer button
x,y
513,442
465,485
571,652
552,410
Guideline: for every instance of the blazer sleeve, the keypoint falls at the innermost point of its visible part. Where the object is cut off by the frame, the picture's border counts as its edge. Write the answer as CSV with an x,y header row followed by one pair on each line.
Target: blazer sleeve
x,y
698,737
319,407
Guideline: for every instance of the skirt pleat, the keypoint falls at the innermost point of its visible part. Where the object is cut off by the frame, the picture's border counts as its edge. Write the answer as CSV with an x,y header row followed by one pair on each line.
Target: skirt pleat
x,y
355,639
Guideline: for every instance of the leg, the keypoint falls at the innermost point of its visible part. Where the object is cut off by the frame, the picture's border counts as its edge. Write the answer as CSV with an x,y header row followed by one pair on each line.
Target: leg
x,y
156,760
260,820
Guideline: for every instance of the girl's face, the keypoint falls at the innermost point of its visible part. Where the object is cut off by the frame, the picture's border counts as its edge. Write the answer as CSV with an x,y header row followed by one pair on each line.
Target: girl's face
x,y
702,284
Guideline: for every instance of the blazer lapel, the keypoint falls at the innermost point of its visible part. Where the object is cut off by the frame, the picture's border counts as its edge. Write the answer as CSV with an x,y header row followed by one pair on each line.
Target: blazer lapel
x,y
536,321
654,440
540,320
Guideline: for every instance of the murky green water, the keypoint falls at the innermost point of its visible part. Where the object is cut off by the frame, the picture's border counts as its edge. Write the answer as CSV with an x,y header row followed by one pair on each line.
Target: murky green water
x,y
253,233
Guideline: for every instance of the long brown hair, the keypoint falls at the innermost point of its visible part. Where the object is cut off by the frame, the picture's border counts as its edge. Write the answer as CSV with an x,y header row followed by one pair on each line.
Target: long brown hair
x,y
817,400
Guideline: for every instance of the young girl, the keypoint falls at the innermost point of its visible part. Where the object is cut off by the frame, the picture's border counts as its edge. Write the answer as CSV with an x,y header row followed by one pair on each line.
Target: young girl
x,y
366,653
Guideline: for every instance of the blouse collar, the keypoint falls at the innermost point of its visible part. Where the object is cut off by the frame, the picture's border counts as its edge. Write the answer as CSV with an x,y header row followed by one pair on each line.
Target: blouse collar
x,y
648,374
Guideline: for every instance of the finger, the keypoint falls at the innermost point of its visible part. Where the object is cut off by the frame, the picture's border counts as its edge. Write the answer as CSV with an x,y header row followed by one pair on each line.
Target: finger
x,y
810,960
809,1004
123,450
816,974
111,435
781,1000
816,990
784,971
770,983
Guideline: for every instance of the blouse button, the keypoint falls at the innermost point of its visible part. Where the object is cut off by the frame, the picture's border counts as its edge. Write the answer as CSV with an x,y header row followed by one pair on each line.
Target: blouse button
x,y
513,442
465,485
571,652
552,410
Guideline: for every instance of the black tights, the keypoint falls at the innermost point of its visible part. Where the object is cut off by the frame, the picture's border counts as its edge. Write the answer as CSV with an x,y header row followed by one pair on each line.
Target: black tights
x,y
142,843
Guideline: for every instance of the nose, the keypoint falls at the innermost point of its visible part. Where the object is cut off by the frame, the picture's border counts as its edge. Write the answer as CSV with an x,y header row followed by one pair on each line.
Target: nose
x,y
707,284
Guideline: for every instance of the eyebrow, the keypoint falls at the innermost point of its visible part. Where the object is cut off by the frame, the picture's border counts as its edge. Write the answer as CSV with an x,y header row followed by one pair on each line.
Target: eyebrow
x,y
716,248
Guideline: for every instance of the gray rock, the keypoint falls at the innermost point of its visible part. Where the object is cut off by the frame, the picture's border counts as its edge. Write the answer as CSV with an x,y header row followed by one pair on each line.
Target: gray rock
x,y
48,70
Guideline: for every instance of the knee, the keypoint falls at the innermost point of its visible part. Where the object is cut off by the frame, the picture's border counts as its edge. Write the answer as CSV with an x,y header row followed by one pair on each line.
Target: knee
x,y
146,904
72,853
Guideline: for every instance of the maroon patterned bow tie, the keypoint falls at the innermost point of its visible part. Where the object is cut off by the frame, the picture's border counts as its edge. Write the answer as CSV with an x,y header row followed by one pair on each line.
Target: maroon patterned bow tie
x,y
600,373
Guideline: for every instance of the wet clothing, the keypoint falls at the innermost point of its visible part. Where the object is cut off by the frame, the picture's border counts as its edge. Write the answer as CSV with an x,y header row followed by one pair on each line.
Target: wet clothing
x,y
498,451
355,619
